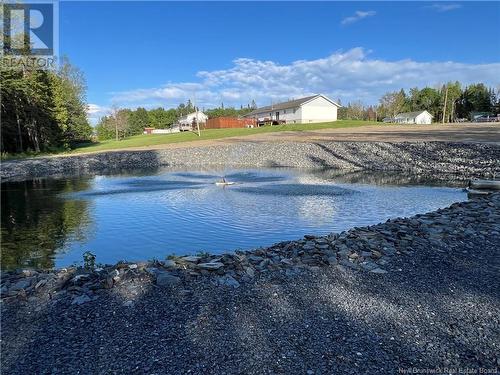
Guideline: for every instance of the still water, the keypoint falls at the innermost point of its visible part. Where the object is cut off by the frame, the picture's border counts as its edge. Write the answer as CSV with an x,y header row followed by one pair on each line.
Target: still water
x,y
149,215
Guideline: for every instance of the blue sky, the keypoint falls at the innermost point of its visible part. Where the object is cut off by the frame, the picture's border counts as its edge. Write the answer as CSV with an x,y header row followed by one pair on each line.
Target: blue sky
x,y
162,53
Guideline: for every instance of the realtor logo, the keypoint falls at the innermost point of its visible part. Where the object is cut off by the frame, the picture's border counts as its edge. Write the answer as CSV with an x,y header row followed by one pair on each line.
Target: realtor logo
x,y
30,33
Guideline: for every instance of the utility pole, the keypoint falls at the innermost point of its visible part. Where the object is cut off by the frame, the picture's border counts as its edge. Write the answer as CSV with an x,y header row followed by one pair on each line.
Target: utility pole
x,y
196,114
445,100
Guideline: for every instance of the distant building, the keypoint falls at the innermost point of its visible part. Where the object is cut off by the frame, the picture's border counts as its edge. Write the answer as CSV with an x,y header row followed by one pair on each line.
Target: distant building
x,y
161,131
184,123
316,108
481,116
190,119
417,117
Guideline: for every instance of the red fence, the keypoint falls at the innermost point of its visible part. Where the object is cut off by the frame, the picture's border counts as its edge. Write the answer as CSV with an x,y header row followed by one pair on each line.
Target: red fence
x,y
229,122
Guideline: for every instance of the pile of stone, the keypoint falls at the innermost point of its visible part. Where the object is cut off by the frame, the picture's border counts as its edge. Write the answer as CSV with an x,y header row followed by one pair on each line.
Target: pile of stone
x,y
368,249
465,160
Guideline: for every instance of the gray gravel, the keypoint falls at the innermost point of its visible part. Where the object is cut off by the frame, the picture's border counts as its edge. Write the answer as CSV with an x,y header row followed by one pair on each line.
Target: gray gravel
x,y
463,159
437,307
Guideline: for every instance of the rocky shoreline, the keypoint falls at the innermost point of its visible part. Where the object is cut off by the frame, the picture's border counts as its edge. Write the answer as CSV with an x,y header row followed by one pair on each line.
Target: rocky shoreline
x,y
368,249
417,294
411,293
465,160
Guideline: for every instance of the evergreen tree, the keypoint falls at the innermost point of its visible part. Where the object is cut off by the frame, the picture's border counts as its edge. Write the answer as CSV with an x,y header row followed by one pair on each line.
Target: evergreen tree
x,y
138,120
42,110
475,98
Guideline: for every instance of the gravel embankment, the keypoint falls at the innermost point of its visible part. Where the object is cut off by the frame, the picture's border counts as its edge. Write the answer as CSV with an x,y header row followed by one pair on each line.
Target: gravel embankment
x,y
466,160
421,292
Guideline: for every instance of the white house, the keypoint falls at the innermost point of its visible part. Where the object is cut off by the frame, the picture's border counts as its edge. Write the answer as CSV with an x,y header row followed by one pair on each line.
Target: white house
x,y
316,108
191,118
418,117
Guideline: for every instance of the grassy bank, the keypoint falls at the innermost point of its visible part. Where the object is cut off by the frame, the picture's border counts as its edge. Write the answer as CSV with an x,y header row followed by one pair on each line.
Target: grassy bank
x,y
162,139
155,140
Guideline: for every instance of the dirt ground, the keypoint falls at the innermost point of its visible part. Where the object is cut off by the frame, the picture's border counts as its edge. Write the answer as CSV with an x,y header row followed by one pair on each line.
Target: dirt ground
x,y
470,132
480,132
411,133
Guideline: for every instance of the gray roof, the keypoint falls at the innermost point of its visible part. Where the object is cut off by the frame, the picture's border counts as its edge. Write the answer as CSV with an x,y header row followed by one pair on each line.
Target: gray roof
x,y
409,114
284,105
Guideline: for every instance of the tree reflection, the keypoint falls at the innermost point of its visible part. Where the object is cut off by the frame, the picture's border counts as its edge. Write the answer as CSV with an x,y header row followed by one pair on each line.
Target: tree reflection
x,y
396,178
37,221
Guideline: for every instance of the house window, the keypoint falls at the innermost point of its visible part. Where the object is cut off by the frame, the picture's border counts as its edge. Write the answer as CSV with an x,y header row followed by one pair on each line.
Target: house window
x,y
284,111
294,110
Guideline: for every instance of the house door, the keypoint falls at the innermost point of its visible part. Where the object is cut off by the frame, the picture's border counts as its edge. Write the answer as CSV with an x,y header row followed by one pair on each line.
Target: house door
x,y
277,116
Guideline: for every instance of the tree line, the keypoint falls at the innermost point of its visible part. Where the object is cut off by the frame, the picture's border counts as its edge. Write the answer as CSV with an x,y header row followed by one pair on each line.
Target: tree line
x,y
43,110
122,122
448,103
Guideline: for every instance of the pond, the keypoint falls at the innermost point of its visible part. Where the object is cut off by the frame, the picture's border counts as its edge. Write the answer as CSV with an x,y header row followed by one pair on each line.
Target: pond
x,y
152,214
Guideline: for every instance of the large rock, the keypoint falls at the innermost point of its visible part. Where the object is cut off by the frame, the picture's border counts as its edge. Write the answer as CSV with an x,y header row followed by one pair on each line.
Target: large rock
x,y
169,263
211,265
250,271
228,281
21,284
378,270
166,279
191,259
308,246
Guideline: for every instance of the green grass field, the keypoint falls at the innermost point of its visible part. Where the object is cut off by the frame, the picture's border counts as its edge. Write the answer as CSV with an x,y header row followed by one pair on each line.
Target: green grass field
x,y
154,140
162,139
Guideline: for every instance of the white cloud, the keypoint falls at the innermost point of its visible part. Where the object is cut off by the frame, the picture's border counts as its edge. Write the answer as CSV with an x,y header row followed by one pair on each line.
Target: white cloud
x,y
95,112
350,76
95,108
445,7
358,15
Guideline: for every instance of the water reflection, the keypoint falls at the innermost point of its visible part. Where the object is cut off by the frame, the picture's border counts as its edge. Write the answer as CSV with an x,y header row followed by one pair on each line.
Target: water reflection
x,y
137,216
36,223
390,178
